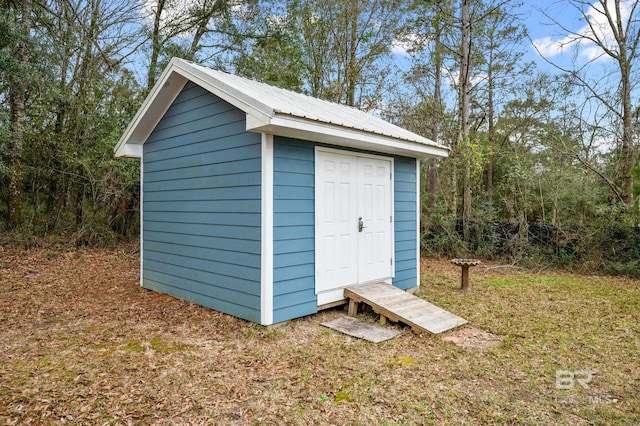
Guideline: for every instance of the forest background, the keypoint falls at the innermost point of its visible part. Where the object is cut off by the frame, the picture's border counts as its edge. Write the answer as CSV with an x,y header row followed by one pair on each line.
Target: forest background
x,y
543,168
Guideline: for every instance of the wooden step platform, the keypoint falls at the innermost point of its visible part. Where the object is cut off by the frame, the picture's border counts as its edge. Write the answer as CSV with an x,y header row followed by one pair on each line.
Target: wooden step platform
x,y
399,306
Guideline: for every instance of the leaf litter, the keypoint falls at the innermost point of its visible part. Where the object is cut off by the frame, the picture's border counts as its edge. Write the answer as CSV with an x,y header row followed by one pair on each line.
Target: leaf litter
x,y
82,343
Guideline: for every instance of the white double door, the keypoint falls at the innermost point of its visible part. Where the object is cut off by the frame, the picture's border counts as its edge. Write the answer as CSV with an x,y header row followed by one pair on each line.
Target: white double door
x,y
354,241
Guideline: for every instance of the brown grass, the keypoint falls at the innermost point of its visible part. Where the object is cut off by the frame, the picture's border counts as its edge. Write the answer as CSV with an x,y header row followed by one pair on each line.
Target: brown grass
x,y
82,343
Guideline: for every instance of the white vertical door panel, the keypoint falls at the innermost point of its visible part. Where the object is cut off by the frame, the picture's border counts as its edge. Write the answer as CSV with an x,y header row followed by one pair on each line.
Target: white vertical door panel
x,y
335,208
350,189
374,206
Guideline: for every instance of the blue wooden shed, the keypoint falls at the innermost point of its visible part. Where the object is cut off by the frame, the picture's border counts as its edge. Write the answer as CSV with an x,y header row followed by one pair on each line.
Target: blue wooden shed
x,y
264,203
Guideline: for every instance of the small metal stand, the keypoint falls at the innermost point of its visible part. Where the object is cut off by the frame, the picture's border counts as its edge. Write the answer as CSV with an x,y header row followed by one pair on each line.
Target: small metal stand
x,y
465,264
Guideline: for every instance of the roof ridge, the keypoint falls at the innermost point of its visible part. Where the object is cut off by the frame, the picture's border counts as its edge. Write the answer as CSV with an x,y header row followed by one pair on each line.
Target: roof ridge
x,y
375,126
271,87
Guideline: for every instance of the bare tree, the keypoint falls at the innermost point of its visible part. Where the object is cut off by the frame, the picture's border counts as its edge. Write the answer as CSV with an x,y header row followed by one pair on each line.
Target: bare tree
x,y
344,43
197,30
463,147
613,27
156,42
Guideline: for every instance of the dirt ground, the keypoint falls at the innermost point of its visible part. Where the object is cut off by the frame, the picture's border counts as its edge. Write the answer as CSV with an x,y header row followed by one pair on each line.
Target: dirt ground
x,y
82,343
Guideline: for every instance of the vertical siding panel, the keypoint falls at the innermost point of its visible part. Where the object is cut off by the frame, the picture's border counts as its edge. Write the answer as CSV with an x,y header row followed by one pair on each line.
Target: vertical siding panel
x,y
404,218
201,189
293,232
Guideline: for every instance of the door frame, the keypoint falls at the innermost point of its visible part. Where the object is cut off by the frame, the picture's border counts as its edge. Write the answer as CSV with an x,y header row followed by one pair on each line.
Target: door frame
x,y
330,297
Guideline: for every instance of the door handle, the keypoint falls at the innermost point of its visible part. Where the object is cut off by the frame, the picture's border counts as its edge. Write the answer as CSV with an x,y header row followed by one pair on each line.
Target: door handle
x,y
360,224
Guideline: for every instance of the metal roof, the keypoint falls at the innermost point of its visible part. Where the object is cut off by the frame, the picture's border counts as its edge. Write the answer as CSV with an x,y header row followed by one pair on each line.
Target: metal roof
x,y
275,110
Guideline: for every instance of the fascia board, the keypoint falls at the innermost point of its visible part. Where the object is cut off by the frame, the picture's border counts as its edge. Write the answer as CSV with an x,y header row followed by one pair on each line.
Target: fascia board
x,y
325,133
164,92
252,107
154,106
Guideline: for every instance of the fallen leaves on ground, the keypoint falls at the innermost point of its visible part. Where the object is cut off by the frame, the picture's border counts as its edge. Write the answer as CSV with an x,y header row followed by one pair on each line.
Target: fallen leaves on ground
x,y
82,343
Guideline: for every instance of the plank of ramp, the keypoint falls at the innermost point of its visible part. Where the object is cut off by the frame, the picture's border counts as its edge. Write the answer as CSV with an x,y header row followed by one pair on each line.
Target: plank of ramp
x,y
399,306
360,329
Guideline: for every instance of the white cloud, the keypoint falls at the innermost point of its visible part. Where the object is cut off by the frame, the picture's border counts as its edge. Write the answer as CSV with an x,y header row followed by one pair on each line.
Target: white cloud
x,y
454,77
399,47
402,45
547,46
174,12
599,29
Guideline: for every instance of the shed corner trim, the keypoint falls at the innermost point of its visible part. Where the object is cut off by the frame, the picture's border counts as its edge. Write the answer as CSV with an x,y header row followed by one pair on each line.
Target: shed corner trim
x,y
266,223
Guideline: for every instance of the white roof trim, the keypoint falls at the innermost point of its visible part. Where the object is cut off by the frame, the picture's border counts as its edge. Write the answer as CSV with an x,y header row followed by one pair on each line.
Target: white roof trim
x,y
151,111
297,128
276,111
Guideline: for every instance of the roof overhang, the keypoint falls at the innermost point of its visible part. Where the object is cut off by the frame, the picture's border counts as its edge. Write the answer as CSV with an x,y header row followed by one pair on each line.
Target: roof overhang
x,y
150,113
298,128
260,118
164,92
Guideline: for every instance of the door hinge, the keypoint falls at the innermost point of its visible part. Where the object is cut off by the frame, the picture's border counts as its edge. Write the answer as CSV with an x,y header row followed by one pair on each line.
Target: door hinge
x,y
391,261
390,219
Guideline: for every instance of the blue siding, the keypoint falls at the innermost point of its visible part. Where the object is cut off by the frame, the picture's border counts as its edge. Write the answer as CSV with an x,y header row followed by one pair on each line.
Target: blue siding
x,y
294,218
202,189
404,217
201,205
293,229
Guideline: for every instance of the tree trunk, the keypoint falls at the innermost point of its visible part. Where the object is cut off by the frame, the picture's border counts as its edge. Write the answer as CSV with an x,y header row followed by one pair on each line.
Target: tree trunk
x,y
489,191
490,118
437,100
155,45
627,132
454,178
627,38
351,73
206,12
433,182
627,42
464,119
17,100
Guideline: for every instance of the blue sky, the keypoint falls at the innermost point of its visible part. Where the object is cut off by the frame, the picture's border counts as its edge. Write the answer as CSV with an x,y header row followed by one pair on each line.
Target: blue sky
x,y
540,27
550,24
548,36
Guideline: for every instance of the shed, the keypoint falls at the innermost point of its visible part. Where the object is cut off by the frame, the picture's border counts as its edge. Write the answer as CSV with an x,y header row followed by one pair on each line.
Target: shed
x,y
265,203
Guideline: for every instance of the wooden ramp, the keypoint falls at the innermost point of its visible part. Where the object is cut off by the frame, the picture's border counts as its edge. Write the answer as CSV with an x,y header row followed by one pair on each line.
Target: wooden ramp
x,y
399,306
